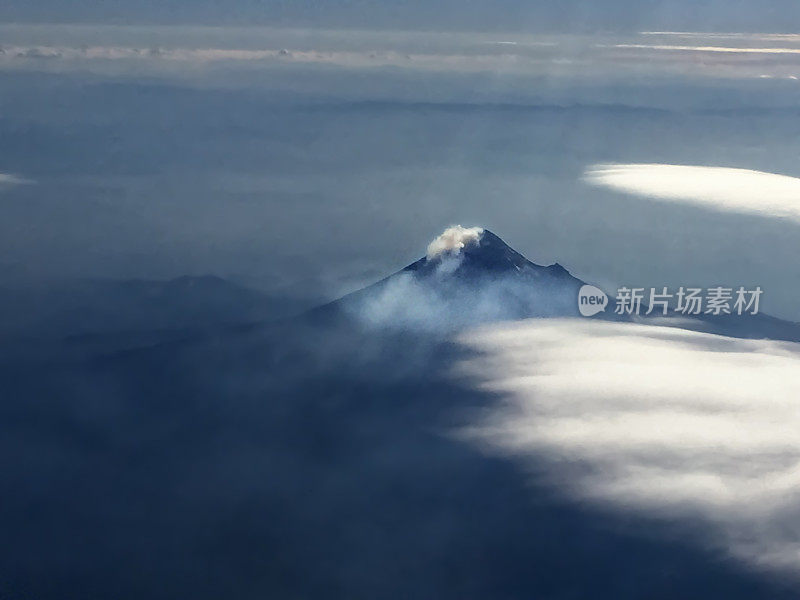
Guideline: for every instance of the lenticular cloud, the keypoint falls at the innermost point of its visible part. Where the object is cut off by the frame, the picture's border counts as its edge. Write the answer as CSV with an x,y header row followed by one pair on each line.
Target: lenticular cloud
x,y
660,421
735,190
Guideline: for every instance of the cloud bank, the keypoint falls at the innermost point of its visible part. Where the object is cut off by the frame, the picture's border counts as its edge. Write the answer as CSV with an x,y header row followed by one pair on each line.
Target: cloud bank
x,y
726,49
718,188
660,421
602,58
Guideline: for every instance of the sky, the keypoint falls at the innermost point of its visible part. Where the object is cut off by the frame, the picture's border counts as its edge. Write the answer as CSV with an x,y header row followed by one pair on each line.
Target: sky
x,y
307,163
442,15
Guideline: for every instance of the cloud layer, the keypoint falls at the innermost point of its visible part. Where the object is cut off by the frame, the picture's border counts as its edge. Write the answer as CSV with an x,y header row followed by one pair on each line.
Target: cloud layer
x,y
725,189
129,50
660,421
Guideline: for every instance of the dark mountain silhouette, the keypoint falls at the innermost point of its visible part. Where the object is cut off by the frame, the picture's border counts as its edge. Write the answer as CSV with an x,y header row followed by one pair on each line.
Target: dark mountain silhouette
x,y
107,307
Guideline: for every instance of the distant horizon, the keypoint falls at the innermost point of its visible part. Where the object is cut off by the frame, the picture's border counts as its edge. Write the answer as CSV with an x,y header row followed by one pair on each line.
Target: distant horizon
x,y
444,15
301,26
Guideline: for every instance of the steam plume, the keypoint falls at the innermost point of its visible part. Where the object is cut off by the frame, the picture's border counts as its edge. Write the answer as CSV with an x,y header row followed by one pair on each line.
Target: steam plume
x,y
454,239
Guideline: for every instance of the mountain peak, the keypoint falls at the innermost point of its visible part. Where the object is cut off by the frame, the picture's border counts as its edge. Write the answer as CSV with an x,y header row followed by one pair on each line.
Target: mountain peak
x,y
469,275
475,251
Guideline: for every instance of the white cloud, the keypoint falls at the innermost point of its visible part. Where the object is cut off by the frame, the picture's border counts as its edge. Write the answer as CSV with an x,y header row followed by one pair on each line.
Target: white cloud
x,y
735,190
663,421
9,179
16,56
723,49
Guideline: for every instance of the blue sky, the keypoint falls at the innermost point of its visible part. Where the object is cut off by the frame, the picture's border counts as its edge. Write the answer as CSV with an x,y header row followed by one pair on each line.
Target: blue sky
x,y
474,15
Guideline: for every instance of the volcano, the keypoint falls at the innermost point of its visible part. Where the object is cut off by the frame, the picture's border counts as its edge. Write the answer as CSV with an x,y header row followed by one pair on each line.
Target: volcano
x,y
486,256
468,276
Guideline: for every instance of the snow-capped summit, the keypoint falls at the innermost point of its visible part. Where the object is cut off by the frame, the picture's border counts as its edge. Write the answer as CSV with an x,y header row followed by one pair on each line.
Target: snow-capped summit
x,y
468,275
478,252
